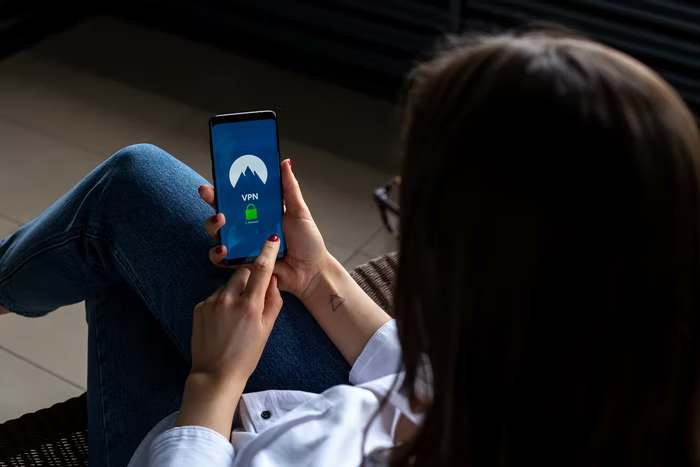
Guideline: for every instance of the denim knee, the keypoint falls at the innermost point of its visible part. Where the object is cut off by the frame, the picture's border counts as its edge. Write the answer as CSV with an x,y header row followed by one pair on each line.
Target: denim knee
x,y
135,174
141,161
144,175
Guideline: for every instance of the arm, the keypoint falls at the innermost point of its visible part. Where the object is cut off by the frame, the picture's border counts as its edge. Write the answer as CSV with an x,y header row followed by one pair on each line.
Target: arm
x,y
344,311
209,403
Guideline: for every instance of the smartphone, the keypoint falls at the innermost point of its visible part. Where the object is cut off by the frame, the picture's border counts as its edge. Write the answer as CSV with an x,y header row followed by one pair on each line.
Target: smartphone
x,y
246,168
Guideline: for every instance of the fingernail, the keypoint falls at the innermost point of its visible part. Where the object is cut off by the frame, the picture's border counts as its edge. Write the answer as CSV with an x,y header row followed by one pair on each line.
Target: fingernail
x,y
277,284
220,249
290,166
215,218
273,238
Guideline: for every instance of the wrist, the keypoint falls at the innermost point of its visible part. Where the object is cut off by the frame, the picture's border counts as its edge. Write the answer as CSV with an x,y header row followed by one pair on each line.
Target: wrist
x,y
214,386
210,402
327,267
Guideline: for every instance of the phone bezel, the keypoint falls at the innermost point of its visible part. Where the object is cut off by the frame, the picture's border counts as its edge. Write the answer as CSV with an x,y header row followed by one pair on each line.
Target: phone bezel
x,y
244,117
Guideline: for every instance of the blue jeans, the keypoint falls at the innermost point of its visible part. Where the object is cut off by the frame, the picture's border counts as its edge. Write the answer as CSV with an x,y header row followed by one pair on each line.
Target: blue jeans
x,y
129,240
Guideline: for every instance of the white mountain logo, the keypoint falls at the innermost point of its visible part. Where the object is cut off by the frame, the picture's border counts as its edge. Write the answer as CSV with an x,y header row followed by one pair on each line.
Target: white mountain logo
x,y
249,161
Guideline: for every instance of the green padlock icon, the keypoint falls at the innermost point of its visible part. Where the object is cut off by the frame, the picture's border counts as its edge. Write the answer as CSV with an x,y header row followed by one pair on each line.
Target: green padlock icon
x,y
251,212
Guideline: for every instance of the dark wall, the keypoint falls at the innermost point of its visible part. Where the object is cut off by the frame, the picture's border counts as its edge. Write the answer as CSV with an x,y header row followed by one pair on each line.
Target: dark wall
x,y
371,44
24,22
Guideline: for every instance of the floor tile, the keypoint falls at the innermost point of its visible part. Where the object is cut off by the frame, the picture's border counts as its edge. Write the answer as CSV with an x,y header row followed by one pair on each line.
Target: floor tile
x,y
343,220
338,192
327,116
56,342
356,260
382,242
315,112
188,140
36,170
85,109
25,388
7,227
338,252
159,63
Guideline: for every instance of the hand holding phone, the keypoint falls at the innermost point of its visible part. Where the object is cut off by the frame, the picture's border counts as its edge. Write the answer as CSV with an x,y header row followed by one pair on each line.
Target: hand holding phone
x,y
306,251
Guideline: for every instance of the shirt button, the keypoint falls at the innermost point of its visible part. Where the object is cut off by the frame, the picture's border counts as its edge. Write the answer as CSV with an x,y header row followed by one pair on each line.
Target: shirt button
x,y
266,414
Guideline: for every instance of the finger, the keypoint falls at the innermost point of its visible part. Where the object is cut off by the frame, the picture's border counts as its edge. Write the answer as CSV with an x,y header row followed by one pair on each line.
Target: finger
x,y
211,298
273,301
217,255
237,283
208,194
214,224
284,273
291,192
262,268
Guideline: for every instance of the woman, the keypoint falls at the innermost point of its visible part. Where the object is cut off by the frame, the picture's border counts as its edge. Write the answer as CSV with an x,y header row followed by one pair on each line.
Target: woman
x,y
547,302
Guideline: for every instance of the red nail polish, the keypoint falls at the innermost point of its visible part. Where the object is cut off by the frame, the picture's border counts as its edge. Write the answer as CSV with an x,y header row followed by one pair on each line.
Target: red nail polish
x,y
220,249
215,218
277,284
290,166
273,238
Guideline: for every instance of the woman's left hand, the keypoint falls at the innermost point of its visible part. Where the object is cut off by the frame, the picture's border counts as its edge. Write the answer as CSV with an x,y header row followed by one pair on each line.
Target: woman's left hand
x,y
229,332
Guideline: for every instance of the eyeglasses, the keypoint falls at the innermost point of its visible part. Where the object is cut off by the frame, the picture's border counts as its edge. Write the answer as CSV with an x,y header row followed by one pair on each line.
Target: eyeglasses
x,y
387,198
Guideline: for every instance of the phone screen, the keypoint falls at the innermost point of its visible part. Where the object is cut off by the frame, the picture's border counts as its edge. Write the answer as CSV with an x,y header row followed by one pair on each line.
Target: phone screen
x,y
246,163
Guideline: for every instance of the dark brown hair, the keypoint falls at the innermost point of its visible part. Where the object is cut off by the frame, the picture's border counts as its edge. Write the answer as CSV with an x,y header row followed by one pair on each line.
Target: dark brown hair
x,y
550,258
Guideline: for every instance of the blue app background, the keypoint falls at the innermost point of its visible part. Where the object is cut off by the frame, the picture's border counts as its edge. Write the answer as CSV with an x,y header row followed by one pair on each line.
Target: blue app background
x,y
244,238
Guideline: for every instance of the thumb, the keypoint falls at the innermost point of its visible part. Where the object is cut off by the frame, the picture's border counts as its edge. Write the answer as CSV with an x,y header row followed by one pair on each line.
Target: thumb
x,y
273,301
291,191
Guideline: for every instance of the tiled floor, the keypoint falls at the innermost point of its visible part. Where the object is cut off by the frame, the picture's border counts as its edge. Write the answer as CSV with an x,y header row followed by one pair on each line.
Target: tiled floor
x,y
72,101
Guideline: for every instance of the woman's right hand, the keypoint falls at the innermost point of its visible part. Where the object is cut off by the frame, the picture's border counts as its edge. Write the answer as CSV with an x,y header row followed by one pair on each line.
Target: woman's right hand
x,y
306,253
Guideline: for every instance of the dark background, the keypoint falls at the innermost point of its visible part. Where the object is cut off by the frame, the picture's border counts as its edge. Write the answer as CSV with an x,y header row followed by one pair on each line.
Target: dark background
x,y
369,45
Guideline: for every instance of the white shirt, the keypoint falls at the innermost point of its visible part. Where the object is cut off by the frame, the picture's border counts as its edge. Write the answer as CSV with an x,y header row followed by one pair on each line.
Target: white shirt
x,y
303,428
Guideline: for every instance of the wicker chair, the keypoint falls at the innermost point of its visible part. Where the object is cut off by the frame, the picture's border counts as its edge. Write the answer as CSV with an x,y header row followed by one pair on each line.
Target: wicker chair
x,y
58,436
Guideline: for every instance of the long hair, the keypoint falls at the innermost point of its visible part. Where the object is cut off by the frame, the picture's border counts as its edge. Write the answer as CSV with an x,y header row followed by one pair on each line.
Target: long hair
x,y
550,258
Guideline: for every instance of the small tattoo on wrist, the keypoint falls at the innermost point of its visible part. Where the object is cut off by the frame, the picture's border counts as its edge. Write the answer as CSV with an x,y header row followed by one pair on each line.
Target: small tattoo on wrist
x,y
335,301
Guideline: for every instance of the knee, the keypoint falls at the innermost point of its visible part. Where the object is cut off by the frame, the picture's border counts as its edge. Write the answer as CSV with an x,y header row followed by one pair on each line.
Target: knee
x,y
143,165
140,160
136,170
145,175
